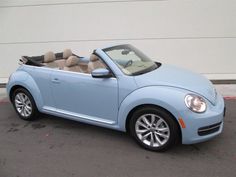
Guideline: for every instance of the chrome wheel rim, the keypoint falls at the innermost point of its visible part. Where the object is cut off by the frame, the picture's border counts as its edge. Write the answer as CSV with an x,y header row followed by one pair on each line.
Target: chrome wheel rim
x,y
23,104
152,130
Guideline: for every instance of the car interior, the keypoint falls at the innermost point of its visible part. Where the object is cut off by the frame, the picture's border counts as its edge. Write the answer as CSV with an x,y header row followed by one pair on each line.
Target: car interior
x,y
66,61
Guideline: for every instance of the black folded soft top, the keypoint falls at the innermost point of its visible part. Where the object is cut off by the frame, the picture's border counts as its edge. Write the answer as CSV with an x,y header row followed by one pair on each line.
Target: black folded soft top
x,y
38,60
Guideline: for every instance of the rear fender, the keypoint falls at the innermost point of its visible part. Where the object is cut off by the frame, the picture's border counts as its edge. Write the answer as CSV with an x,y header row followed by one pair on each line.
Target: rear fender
x,y
24,79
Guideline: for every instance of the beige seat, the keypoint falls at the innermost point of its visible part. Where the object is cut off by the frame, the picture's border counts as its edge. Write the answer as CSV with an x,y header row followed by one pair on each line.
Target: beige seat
x,y
72,64
95,63
60,63
66,53
83,66
49,60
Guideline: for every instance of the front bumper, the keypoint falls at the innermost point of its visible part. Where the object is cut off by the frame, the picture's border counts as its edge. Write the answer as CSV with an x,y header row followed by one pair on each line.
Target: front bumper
x,y
204,126
207,130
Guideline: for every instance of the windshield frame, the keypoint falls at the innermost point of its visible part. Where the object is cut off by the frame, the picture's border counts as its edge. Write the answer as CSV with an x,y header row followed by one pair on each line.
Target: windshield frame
x,y
141,55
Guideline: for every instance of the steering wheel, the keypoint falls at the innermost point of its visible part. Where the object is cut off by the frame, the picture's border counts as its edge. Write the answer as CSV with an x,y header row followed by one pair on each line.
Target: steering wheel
x,y
128,63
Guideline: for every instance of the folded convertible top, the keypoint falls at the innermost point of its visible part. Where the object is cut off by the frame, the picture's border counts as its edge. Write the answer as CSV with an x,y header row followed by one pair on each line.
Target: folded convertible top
x,y
38,60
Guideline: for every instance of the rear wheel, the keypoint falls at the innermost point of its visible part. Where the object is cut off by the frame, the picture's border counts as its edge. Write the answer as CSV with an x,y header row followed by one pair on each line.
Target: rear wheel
x,y
154,129
24,104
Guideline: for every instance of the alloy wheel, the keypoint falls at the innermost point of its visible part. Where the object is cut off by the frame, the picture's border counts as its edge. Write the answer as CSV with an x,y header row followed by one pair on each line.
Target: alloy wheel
x,y
152,130
23,104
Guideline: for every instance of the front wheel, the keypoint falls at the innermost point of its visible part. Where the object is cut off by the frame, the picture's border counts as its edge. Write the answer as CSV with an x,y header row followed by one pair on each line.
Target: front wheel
x,y
154,129
24,104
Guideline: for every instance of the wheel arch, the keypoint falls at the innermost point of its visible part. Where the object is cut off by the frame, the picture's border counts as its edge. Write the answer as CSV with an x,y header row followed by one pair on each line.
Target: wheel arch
x,y
14,88
22,79
169,99
130,114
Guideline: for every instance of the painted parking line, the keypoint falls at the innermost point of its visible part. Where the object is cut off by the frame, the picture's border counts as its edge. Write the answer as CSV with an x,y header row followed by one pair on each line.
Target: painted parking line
x,y
5,100
230,97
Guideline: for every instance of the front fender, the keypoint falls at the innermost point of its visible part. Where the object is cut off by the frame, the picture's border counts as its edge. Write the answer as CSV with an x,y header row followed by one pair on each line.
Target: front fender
x,y
169,98
24,79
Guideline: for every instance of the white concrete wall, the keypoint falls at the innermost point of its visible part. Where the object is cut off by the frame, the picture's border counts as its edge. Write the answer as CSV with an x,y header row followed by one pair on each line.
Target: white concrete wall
x,y
195,34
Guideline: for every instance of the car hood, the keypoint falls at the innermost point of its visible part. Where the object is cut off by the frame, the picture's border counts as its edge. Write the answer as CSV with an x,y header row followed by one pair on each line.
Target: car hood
x,y
171,76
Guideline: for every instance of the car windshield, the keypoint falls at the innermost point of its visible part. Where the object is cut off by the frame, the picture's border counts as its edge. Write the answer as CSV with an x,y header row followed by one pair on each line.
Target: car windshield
x,y
130,60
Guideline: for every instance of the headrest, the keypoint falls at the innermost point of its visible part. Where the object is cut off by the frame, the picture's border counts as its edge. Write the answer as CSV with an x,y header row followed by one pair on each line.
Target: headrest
x,y
67,53
49,57
94,58
72,61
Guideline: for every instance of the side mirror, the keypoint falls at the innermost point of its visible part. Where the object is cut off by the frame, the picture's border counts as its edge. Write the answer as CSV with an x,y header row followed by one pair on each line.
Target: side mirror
x,y
101,73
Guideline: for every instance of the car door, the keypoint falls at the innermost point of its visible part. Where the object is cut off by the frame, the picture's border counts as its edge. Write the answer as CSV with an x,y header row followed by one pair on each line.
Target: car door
x,y
41,77
84,97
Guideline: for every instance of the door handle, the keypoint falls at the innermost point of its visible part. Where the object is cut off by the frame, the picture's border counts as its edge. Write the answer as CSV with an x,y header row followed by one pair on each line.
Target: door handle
x,y
56,80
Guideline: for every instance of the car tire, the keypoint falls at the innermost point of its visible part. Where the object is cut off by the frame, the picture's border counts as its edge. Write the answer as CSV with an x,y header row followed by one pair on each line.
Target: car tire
x,y
24,104
154,128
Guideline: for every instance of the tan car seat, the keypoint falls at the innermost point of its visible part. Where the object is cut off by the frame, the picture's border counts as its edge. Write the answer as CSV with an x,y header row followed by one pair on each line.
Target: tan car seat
x,y
83,66
49,60
67,53
72,64
95,63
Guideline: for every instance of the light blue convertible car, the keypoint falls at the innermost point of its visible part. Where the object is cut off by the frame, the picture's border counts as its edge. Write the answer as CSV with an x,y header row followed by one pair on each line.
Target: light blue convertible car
x,y
120,88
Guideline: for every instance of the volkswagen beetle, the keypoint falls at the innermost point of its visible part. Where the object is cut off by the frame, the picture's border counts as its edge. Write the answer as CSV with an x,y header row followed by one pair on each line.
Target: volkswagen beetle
x,y
120,88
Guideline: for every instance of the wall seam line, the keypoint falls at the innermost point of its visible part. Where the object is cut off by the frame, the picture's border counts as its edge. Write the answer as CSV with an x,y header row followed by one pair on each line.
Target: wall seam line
x,y
79,3
118,39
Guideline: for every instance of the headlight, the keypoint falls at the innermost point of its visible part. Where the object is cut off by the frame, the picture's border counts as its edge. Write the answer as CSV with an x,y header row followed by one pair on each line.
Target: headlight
x,y
195,103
